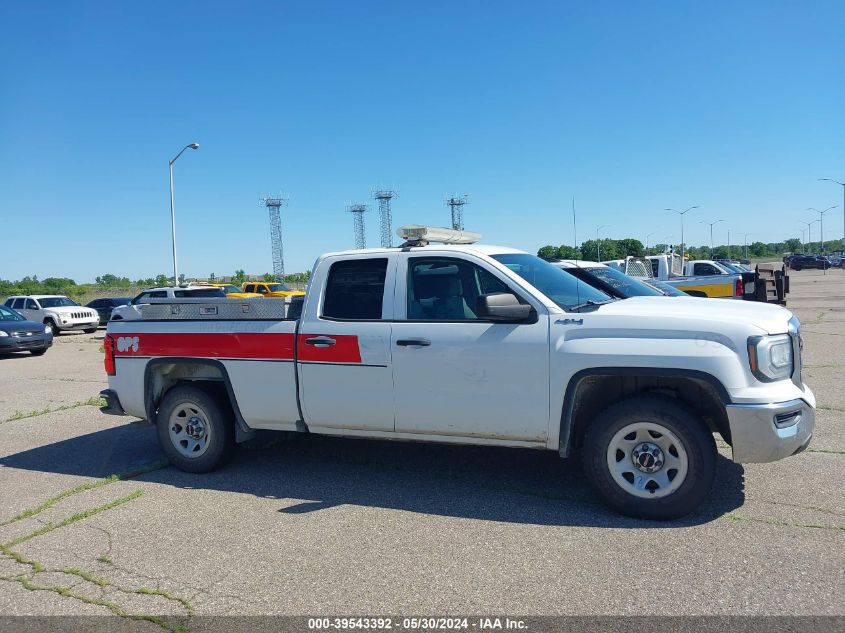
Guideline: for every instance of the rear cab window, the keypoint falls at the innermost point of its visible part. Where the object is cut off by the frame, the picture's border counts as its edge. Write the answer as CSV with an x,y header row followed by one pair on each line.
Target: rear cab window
x,y
355,290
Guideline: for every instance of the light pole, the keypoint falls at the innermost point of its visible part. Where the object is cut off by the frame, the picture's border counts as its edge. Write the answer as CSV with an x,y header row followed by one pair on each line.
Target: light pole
x,y
711,233
598,244
682,214
745,241
729,244
809,233
843,207
646,242
803,236
173,212
821,225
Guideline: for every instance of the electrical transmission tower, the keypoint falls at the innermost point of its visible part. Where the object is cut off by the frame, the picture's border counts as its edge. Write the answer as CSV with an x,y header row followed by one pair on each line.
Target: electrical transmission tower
x,y
384,196
357,211
457,206
274,205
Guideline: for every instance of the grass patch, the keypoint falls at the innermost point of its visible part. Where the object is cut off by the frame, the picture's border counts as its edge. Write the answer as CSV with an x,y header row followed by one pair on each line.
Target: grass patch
x,y
93,401
79,516
105,558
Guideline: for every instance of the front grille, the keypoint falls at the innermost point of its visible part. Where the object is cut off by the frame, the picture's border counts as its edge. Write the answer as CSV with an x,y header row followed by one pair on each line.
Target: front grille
x,y
81,315
20,334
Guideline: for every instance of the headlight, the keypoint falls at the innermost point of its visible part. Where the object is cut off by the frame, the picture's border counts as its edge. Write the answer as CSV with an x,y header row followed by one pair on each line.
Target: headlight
x,y
48,329
770,357
2,333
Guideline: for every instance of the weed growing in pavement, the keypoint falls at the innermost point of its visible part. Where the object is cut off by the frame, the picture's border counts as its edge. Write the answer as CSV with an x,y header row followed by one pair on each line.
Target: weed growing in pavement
x,y
27,582
93,401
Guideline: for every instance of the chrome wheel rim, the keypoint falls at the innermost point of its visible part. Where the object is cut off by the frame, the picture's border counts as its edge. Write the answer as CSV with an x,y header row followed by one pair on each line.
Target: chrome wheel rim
x,y
647,460
189,430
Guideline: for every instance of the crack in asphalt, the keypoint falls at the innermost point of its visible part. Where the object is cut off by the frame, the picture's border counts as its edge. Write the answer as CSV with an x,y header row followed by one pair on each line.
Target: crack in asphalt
x,y
777,522
84,576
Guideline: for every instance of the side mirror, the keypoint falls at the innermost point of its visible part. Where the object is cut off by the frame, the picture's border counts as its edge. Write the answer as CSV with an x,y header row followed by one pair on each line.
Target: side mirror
x,y
502,306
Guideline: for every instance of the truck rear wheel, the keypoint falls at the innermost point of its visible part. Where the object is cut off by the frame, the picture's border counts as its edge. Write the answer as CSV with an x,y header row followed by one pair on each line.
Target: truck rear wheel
x,y
195,429
649,457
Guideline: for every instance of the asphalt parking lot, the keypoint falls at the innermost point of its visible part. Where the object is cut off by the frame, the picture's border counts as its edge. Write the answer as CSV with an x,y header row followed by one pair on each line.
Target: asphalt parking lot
x,y
341,527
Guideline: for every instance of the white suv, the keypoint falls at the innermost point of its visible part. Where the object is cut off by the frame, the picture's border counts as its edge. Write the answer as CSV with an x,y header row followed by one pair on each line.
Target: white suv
x,y
57,311
132,311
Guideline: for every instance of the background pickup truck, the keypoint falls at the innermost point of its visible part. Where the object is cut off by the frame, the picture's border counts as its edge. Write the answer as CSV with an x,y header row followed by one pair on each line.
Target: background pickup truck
x,y
768,283
471,344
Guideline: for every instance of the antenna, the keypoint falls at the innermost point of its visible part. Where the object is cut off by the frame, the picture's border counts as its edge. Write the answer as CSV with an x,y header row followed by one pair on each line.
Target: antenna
x,y
457,203
357,211
274,206
384,196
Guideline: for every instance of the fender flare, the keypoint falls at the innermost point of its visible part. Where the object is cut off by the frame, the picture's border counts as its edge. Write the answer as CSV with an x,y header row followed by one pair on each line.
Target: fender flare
x,y
566,417
243,432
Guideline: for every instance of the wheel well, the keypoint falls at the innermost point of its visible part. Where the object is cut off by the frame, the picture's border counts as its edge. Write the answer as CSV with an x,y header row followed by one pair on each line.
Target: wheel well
x,y
594,393
162,377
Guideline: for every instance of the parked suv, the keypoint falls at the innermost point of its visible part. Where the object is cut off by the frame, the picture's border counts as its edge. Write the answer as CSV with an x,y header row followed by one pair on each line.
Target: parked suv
x,y
799,262
105,306
57,311
132,311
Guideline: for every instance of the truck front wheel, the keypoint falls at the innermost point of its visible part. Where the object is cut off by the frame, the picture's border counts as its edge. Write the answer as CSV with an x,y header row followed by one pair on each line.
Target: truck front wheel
x,y
649,457
195,429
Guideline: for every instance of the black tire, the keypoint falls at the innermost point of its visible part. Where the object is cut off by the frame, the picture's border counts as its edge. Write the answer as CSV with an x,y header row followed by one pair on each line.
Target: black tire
x,y
53,327
214,413
90,330
696,440
797,268
38,352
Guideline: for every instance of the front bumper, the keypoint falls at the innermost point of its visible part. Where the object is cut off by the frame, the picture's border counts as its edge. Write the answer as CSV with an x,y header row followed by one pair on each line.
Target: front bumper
x,y
769,432
25,343
72,326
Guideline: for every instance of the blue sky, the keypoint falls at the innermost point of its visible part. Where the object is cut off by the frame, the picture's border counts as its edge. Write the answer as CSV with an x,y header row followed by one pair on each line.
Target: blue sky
x,y
631,107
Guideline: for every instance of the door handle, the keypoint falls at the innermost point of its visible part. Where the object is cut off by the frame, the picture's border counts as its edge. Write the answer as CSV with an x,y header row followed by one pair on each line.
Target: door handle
x,y
413,342
320,341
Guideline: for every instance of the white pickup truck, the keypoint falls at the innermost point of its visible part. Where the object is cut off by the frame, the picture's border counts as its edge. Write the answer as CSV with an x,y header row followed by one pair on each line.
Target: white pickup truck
x,y
469,344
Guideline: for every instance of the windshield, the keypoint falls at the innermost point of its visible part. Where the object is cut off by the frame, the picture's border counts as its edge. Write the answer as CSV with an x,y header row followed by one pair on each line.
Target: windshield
x,y
9,315
562,288
278,287
623,284
733,268
56,302
230,289
666,289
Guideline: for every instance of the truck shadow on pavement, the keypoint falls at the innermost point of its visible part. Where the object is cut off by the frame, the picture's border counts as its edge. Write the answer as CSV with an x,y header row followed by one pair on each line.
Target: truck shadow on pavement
x,y
312,473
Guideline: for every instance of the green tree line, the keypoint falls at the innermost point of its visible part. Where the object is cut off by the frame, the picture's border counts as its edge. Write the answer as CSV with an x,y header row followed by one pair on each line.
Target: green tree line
x,y
108,283
607,249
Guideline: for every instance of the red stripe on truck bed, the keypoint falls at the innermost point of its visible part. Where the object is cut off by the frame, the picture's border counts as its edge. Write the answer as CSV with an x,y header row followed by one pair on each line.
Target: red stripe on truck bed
x,y
247,345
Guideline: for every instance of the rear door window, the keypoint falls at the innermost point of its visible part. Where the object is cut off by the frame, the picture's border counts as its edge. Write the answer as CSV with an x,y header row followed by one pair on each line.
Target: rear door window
x,y
355,290
18,304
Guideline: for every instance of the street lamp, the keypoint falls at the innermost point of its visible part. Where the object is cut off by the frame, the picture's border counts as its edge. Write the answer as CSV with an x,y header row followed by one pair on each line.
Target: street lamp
x,y
843,207
803,241
745,241
173,212
809,233
821,226
682,214
646,242
598,244
711,233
